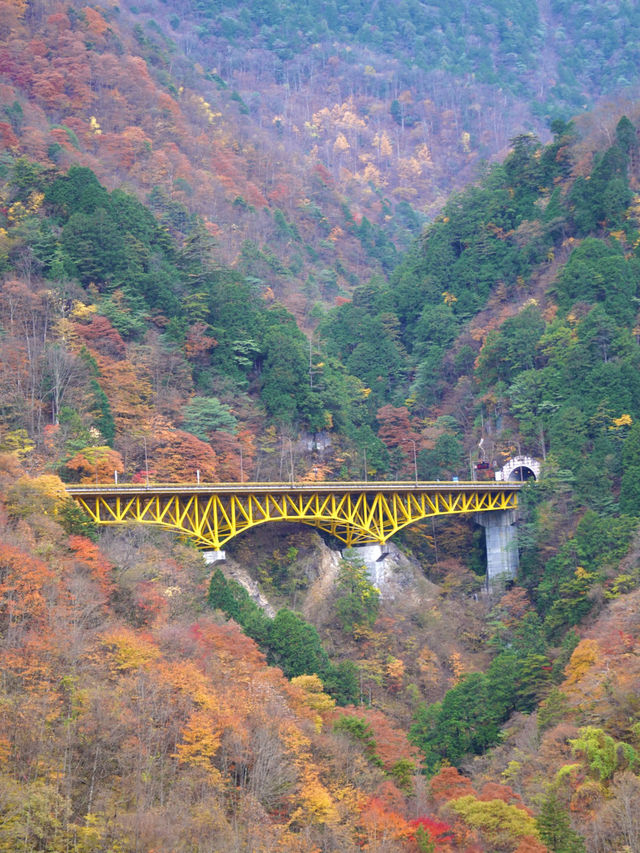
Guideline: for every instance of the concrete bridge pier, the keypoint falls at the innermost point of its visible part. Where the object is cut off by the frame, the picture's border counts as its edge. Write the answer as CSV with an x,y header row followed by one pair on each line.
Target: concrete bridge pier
x,y
502,546
213,557
374,558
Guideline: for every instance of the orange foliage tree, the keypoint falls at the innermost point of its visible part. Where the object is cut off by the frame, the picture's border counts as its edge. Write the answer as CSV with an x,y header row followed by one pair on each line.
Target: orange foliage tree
x,y
382,825
96,464
129,391
88,553
23,591
176,456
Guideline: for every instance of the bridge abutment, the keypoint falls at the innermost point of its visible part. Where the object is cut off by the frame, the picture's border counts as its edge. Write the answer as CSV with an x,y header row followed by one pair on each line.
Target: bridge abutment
x,y
502,545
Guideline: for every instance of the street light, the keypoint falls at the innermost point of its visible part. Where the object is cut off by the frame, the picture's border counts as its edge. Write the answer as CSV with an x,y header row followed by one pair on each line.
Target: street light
x,y
291,459
415,461
146,459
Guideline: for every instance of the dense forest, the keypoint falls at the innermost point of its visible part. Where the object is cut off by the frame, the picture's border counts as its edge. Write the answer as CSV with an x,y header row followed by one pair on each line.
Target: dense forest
x,y
313,145
184,288
543,51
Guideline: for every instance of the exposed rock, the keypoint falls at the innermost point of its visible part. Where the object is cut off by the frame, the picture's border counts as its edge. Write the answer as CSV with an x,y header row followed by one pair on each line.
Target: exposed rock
x,y
391,571
324,563
397,576
233,571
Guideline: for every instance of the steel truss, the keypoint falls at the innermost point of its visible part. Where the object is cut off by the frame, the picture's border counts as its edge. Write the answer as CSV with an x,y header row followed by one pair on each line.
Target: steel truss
x,y
355,513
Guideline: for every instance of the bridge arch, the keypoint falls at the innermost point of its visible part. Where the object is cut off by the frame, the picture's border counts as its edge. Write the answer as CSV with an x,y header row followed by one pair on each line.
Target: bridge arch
x,y
355,513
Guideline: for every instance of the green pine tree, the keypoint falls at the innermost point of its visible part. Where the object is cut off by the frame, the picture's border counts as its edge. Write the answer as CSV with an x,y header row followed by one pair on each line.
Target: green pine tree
x,y
555,829
358,600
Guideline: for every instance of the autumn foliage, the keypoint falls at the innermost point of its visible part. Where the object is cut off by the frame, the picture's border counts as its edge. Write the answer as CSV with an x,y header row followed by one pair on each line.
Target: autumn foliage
x,y
164,191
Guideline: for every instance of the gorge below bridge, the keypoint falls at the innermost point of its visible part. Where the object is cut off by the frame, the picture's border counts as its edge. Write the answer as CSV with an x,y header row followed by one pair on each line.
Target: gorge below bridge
x,y
356,513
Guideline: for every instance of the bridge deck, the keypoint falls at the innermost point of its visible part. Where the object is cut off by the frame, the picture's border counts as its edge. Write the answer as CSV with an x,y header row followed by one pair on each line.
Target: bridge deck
x,y
324,486
354,512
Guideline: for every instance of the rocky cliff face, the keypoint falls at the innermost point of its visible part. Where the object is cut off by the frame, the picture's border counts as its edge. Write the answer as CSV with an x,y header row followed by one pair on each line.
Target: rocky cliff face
x,y
405,592
390,570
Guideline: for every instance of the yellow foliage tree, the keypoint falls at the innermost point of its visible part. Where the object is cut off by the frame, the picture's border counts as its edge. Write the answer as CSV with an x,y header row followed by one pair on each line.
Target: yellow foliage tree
x,y
17,442
394,674
423,155
371,175
200,744
623,420
499,822
129,650
45,494
187,678
383,145
585,654
316,804
314,696
341,145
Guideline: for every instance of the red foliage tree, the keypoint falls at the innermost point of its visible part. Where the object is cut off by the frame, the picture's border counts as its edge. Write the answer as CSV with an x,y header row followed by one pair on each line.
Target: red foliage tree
x,y
392,745
90,555
397,431
495,791
100,336
449,784
234,454
8,139
437,831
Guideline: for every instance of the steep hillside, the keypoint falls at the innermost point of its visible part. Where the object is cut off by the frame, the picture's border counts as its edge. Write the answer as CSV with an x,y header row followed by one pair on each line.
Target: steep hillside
x,y
578,754
103,93
556,52
137,719
314,143
154,217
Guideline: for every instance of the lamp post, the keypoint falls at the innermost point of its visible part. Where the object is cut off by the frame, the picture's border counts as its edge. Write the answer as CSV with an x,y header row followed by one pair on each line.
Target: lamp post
x,y
146,459
415,461
291,458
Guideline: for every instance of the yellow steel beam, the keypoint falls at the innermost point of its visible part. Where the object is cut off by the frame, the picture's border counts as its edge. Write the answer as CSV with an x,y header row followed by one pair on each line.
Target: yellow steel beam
x,y
370,517
355,513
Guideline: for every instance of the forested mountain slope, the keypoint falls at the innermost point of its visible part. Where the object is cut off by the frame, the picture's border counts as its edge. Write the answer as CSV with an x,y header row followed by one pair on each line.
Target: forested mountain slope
x,y
512,321
142,331
590,49
313,142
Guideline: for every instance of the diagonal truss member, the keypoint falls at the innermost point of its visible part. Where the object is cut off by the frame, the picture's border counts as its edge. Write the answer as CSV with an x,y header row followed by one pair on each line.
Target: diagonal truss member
x,y
355,513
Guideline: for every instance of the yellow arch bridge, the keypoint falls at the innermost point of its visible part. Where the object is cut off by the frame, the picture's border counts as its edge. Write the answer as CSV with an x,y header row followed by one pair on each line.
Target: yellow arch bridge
x,y
355,513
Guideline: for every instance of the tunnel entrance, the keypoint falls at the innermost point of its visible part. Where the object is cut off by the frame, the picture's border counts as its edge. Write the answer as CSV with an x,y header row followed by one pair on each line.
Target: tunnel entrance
x,y
520,469
521,474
